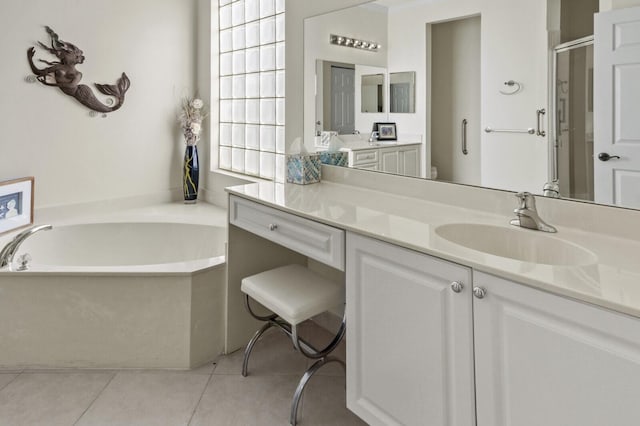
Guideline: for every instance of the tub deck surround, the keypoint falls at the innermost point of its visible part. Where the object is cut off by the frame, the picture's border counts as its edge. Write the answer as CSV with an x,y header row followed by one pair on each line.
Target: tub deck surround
x,y
612,281
116,305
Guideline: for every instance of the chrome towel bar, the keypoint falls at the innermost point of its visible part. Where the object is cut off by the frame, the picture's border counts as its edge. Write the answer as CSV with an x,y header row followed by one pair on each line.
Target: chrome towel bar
x,y
530,130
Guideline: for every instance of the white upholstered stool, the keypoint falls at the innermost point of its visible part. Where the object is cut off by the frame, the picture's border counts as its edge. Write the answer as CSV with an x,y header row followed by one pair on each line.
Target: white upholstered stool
x,y
294,294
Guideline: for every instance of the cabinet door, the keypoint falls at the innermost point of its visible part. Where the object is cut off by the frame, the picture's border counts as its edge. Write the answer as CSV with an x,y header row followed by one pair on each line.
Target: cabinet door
x,y
546,360
409,337
409,161
389,160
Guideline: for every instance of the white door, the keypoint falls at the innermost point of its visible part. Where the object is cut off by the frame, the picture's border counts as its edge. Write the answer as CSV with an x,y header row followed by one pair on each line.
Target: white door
x,y
617,107
409,350
543,360
400,95
343,94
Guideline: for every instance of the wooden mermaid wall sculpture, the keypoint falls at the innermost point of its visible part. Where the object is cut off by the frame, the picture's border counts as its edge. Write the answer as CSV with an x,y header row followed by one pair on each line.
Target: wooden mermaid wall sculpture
x,y
63,74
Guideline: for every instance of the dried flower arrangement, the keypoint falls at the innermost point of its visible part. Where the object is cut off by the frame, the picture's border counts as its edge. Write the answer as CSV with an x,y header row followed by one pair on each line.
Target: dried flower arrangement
x,y
191,116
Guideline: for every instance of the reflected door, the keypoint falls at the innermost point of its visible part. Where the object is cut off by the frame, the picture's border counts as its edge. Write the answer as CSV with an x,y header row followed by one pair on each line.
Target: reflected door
x,y
343,93
455,100
617,90
400,94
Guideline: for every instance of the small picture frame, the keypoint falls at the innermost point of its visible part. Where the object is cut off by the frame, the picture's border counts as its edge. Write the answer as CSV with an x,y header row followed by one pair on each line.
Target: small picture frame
x,y
386,131
16,204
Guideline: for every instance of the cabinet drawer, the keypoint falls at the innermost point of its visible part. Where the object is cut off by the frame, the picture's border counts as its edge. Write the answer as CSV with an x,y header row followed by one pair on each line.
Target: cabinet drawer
x,y
315,240
365,156
367,166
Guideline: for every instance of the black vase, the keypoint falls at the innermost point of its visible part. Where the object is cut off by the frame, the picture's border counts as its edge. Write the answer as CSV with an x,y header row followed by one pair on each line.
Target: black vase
x,y
190,174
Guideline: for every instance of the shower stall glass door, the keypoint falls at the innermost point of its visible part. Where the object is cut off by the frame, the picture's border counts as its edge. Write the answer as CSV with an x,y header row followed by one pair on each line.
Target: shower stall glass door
x,y
573,119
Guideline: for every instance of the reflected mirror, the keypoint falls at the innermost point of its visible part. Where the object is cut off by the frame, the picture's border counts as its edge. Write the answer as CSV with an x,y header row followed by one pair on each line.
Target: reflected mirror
x,y
505,94
372,93
402,92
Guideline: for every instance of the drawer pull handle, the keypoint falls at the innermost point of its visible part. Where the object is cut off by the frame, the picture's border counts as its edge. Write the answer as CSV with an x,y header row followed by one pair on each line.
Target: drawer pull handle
x,y
273,227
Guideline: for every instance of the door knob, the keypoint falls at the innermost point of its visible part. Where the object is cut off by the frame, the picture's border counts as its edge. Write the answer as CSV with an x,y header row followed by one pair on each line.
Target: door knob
x,y
603,156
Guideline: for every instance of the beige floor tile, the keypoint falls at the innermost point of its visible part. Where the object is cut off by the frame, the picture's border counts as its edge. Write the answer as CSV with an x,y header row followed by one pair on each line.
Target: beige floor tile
x,y
204,369
324,403
147,398
273,354
233,400
49,399
110,371
6,378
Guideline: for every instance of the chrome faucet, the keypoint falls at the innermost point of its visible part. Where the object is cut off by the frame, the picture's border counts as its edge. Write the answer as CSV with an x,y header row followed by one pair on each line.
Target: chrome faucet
x,y
374,136
527,215
551,189
10,249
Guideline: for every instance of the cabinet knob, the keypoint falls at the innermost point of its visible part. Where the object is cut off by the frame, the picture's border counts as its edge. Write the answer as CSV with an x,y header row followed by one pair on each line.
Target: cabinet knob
x,y
273,227
479,292
456,287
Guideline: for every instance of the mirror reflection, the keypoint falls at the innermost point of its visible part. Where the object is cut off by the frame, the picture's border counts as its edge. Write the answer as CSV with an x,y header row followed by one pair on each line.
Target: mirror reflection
x,y
402,92
514,95
372,93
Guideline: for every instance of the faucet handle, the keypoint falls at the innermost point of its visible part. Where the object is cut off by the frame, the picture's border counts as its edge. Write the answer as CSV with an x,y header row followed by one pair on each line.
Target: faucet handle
x,y
23,262
526,199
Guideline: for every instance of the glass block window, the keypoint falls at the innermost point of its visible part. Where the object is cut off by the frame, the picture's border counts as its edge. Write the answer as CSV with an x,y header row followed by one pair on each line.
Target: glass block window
x,y
252,87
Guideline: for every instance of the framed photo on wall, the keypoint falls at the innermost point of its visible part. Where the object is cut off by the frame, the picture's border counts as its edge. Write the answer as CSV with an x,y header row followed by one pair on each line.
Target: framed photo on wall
x,y
16,204
386,131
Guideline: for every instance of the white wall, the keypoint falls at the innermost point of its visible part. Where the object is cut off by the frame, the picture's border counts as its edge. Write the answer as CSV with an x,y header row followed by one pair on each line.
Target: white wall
x,y
75,158
508,160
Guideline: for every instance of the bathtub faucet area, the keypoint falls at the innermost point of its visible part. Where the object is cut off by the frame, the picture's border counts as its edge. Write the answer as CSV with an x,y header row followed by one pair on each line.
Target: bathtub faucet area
x,y
9,251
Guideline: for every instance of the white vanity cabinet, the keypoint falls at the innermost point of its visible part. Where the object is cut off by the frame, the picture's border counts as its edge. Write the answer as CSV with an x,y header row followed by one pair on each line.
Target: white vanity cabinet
x,y
401,158
409,336
496,353
542,359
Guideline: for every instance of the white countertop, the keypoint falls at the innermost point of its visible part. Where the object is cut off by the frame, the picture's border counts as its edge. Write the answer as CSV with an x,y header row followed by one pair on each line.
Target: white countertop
x,y
612,282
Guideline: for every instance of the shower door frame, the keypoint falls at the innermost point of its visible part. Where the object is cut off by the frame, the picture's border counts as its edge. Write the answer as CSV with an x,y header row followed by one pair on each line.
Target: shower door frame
x,y
561,48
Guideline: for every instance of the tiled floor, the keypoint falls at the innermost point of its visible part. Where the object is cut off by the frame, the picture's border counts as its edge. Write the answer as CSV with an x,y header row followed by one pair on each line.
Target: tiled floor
x,y
215,394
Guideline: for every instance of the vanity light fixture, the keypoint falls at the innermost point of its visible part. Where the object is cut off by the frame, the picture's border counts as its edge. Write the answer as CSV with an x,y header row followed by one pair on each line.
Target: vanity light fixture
x,y
371,46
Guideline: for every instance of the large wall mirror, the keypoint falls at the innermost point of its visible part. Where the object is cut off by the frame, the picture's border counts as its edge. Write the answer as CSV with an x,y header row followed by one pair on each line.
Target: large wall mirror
x,y
508,94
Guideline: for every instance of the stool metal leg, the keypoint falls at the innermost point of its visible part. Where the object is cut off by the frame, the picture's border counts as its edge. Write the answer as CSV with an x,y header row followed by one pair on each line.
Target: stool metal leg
x,y
321,353
249,348
297,396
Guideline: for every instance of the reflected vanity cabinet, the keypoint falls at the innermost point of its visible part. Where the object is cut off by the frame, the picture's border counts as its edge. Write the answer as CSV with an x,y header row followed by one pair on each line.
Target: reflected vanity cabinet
x,y
403,159
431,342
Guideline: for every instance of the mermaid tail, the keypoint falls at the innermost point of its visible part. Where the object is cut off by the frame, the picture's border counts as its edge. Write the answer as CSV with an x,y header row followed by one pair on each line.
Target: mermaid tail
x,y
85,95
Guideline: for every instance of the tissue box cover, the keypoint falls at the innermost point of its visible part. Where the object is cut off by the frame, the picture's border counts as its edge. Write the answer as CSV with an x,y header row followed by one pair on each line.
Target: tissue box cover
x,y
336,158
303,168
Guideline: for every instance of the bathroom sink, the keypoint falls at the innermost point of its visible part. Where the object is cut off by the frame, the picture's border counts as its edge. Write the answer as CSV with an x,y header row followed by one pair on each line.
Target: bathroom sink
x,y
514,243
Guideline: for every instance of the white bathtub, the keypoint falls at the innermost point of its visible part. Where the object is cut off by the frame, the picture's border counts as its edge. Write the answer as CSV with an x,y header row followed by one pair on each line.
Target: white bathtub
x,y
122,246
116,295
